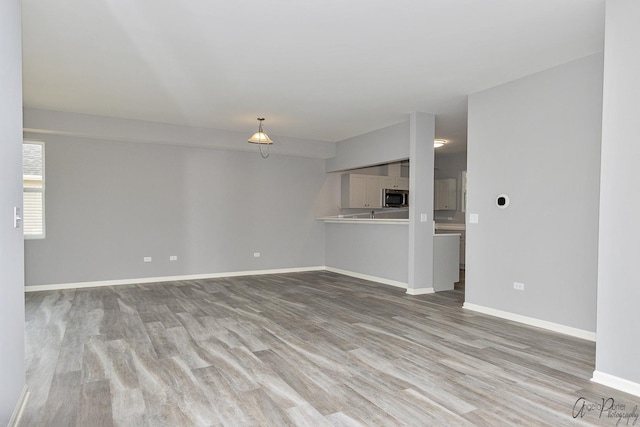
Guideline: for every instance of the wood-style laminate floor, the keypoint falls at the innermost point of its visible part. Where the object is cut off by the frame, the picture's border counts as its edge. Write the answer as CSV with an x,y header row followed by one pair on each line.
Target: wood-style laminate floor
x,y
297,349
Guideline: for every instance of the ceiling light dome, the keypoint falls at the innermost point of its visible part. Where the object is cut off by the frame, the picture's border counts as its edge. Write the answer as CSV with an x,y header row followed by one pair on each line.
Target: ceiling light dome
x,y
437,143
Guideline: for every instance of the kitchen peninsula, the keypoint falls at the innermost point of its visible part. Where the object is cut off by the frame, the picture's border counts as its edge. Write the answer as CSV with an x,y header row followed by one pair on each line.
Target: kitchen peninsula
x,y
375,216
377,248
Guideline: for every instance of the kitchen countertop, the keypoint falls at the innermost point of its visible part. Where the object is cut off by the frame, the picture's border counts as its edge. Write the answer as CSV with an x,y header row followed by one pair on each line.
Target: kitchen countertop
x,y
450,226
363,219
351,220
377,221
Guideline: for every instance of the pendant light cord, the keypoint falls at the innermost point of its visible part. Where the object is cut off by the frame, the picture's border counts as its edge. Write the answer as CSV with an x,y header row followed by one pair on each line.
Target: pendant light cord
x,y
260,132
264,156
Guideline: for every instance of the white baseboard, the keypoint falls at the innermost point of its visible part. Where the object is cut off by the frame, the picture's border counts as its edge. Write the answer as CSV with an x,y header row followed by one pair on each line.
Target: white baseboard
x,y
555,327
367,277
616,382
120,282
19,408
395,283
78,285
420,291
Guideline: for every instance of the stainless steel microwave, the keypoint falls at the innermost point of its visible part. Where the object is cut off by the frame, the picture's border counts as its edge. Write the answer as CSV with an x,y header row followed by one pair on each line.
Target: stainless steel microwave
x,y
395,198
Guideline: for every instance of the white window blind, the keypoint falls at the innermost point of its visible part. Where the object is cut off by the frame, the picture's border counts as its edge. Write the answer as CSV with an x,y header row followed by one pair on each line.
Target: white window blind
x,y
33,188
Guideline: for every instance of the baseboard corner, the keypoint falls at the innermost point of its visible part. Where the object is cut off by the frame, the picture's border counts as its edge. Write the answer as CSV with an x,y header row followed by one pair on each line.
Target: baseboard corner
x,y
19,408
420,291
615,382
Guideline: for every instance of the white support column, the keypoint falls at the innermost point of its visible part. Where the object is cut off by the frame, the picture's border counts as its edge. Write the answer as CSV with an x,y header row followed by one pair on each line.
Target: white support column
x,y
421,134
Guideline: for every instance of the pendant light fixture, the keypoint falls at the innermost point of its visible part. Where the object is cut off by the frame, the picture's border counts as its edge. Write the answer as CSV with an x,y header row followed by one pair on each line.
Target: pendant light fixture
x,y
261,139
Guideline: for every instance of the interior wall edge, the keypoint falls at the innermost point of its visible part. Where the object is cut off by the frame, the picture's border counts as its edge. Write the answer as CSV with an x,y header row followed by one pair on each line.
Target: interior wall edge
x,y
58,123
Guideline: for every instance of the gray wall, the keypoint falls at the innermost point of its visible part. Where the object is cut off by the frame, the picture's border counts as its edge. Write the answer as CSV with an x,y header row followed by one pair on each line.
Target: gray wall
x,y
449,165
12,365
370,249
537,139
110,203
384,145
618,349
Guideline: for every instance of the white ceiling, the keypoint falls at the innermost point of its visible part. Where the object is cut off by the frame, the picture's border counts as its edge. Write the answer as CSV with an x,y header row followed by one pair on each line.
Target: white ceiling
x,y
325,70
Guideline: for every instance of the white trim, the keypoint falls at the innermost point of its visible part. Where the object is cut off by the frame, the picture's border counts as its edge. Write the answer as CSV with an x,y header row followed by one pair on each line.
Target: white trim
x,y
78,285
19,408
555,327
164,279
616,382
420,291
367,277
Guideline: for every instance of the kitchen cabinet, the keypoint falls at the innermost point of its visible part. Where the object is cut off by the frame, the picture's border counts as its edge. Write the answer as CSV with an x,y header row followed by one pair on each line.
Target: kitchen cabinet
x,y
395,182
444,194
446,271
444,229
361,191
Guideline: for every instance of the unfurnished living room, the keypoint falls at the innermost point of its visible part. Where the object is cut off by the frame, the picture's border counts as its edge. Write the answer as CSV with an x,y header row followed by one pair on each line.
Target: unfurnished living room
x,y
347,213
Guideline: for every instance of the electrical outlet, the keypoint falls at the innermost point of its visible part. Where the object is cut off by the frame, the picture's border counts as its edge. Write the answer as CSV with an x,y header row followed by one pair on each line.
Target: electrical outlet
x,y
147,259
173,258
256,254
518,286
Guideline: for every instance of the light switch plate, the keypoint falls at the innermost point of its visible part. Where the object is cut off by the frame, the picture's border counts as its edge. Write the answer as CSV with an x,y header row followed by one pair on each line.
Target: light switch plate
x,y
17,217
473,218
423,217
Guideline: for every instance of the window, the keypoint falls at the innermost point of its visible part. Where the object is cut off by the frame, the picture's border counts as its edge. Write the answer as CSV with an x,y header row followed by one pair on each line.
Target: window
x,y
33,189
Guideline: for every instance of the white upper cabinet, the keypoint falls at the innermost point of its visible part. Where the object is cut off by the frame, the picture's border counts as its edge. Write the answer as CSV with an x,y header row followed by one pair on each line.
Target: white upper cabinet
x,y
444,194
361,191
395,182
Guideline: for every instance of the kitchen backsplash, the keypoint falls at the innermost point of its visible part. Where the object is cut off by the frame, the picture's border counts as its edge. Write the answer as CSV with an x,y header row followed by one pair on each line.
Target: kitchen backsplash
x,y
450,216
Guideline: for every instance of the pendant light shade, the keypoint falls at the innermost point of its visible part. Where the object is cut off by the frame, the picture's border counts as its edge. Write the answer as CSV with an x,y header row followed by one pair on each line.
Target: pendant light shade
x,y
261,138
